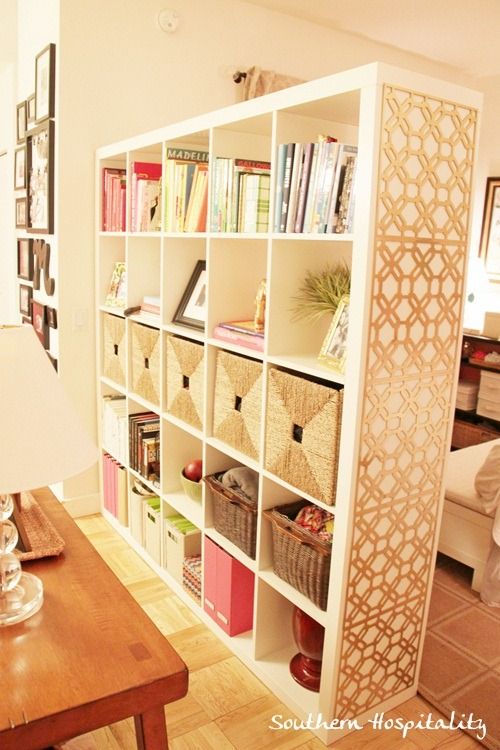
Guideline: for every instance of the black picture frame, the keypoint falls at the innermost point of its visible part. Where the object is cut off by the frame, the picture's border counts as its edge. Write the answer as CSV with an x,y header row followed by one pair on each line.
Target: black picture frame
x,y
20,168
52,317
40,178
192,308
25,258
25,300
21,205
45,83
21,121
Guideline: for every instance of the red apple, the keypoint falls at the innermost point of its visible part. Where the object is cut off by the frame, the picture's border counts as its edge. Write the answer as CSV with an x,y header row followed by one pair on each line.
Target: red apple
x,y
193,470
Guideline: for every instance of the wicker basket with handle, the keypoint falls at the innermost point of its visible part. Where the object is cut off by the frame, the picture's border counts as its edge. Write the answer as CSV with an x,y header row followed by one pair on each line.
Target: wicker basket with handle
x,y
235,516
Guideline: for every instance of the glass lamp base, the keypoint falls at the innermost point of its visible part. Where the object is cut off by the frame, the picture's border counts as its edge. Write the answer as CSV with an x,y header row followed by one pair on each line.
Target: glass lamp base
x,y
22,602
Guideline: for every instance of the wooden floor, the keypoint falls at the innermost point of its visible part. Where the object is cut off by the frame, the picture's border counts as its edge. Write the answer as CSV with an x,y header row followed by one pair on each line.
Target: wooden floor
x,y
227,708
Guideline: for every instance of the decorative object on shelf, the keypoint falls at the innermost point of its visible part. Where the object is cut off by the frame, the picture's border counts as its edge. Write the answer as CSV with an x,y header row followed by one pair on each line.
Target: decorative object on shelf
x,y
20,168
321,292
39,318
31,395
40,171
185,373
260,307
21,121
25,259
258,82
25,300
41,254
489,248
117,290
334,350
45,83
491,327
192,308
192,487
20,213
309,635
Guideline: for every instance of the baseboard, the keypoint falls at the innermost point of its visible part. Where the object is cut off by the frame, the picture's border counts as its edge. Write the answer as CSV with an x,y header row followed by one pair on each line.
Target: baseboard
x,y
85,505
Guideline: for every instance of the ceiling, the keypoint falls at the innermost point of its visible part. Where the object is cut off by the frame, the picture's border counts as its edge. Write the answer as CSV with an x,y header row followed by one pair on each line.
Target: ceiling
x,y
462,33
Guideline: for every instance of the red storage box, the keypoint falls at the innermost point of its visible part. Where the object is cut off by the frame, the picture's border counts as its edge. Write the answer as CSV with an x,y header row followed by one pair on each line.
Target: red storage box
x,y
228,589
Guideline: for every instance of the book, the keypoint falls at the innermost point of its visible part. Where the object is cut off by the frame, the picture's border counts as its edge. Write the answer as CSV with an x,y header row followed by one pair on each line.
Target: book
x,y
345,151
184,191
239,338
287,176
114,183
117,290
230,180
145,196
242,326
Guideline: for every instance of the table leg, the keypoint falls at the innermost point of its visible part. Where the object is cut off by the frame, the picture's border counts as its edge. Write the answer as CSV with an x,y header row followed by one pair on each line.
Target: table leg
x,y
151,729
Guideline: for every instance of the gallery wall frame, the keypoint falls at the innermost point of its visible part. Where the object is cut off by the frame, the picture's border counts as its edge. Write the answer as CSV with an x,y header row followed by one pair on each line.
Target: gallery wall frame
x,y
45,83
40,178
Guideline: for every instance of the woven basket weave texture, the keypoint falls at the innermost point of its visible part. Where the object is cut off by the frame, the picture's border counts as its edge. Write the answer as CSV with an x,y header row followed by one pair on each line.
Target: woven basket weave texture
x,y
303,433
185,368
234,516
237,402
145,362
114,349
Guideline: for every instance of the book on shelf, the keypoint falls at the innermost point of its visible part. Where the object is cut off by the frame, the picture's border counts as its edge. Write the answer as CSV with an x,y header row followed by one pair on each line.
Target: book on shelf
x,y
144,445
145,197
242,326
114,426
240,189
117,290
114,184
114,486
239,338
347,157
150,306
185,190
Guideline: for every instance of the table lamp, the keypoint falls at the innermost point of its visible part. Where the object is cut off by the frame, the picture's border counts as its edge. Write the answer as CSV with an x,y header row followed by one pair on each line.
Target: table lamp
x,y
43,443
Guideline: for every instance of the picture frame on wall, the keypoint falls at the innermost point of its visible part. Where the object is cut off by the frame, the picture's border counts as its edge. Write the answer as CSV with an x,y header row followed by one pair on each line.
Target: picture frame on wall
x,y
20,168
25,259
21,121
25,300
192,308
489,247
45,78
39,320
52,317
334,349
30,111
20,213
40,183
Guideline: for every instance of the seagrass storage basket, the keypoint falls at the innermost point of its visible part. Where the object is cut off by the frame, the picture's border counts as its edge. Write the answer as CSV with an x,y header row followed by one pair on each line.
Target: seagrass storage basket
x,y
303,433
235,516
114,349
185,369
299,557
145,362
237,402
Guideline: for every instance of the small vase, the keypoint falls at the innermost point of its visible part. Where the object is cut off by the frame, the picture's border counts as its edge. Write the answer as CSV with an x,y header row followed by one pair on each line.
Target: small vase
x,y
305,667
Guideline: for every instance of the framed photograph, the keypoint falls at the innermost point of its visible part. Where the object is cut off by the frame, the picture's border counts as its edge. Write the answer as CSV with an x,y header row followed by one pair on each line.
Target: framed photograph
x,y
25,259
192,309
25,299
40,171
20,168
334,350
30,111
21,121
52,317
45,80
39,319
20,213
490,231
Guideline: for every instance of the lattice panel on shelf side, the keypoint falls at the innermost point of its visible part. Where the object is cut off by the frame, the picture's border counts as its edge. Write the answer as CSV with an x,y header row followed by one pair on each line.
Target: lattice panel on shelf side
x,y
425,175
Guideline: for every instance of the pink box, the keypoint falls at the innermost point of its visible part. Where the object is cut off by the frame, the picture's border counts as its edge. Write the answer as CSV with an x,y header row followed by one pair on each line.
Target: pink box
x,y
228,589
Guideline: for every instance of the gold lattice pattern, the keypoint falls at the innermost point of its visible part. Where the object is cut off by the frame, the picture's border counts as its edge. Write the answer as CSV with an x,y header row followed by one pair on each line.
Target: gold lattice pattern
x,y
425,172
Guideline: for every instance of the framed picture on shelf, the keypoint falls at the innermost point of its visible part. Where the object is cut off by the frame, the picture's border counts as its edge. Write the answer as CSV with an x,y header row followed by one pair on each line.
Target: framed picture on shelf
x,y
45,79
40,187
25,259
20,168
52,317
490,231
192,308
39,319
334,350
30,111
20,213
21,121
25,299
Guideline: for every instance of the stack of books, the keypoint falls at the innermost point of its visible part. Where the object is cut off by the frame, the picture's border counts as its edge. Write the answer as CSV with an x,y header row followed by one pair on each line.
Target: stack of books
x,y
145,196
144,445
240,332
115,426
114,184
240,190
150,307
186,190
315,187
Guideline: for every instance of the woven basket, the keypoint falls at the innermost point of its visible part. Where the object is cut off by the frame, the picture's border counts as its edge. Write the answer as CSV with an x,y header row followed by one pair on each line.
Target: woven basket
x,y
237,402
303,433
185,380
299,557
235,516
145,362
468,433
114,349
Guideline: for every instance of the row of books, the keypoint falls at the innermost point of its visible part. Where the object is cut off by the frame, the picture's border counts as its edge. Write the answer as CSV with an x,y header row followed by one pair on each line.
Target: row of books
x,y
114,212
114,426
145,197
315,187
240,195
240,332
186,190
144,445
115,495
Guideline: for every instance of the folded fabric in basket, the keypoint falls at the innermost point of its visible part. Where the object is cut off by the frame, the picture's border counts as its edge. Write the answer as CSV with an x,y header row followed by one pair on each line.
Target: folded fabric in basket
x,y
243,480
317,521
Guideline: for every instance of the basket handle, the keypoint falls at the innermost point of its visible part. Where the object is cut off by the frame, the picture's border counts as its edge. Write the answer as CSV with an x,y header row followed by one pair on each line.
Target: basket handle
x,y
317,546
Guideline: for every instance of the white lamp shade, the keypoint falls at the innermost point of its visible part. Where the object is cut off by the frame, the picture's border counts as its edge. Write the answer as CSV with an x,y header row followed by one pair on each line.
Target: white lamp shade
x,y
42,441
